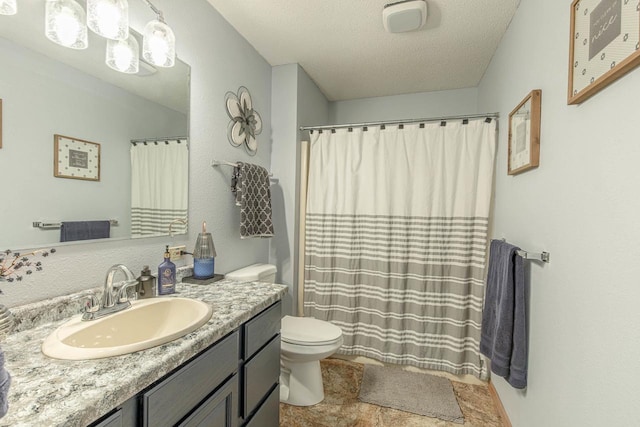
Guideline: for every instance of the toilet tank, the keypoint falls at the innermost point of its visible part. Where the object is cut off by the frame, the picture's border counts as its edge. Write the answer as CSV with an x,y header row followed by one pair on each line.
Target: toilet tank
x,y
254,273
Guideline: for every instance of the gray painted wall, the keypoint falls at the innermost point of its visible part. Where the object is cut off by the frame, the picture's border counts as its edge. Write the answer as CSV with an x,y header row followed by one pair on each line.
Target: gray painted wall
x,y
296,101
582,206
409,106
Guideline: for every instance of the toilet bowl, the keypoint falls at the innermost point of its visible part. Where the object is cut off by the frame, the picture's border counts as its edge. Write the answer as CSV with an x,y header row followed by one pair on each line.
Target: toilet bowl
x,y
304,342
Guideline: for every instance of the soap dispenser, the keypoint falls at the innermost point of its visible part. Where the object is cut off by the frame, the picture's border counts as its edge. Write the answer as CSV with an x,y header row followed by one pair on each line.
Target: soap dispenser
x,y
204,255
166,275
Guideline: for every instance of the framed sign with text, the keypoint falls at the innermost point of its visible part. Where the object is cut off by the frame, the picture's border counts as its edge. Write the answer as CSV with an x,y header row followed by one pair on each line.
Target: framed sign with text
x,y
604,44
76,159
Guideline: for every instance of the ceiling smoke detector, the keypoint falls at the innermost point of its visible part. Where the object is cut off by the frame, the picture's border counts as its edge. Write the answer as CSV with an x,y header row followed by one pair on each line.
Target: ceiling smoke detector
x,y
405,15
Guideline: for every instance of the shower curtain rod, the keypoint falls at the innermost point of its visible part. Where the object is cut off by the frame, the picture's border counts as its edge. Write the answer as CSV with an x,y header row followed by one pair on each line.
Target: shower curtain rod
x,y
163,139
402,122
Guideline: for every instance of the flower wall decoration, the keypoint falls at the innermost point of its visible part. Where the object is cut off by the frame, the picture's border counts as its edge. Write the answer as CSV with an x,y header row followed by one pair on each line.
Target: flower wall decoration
x,y
245,122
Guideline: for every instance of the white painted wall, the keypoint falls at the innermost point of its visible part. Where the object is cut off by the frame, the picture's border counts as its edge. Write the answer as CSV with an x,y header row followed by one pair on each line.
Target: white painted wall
x,y
582,206
43,97
409,106
296,101
221,60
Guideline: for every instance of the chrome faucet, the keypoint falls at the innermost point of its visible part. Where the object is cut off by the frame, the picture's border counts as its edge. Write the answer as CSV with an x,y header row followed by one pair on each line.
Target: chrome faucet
x,y
112,300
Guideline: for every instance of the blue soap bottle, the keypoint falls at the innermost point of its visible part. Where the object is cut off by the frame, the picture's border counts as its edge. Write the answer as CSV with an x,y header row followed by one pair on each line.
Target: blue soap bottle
x,y
166,275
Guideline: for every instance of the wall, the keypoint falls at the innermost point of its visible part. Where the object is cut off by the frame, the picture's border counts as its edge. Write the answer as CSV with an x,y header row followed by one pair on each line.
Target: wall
x,y
296,101
582,206
409,106
221,60
43,97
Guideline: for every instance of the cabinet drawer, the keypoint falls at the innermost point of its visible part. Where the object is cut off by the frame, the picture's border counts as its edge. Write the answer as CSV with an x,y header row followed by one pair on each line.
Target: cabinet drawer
x,y
219,410
260,375
176,396
113,420
259,330
269,413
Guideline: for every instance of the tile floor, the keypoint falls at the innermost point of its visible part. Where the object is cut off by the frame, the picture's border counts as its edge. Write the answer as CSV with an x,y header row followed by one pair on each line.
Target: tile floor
x,y
341,407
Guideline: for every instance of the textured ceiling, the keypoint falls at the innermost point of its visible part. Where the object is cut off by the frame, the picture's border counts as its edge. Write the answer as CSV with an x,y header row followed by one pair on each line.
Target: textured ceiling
x,y
343,47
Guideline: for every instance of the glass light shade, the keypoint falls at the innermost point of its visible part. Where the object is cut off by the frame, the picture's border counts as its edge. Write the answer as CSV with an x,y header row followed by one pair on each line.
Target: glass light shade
x,y
8,7
65,24
109,18
159,44
122,55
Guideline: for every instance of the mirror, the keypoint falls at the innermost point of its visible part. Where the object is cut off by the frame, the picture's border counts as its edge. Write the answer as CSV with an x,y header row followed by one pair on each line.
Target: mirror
x,y
51,94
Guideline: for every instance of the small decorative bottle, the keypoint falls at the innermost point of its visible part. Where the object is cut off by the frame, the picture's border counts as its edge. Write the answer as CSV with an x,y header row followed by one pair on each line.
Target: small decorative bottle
x,y
204,255
166,275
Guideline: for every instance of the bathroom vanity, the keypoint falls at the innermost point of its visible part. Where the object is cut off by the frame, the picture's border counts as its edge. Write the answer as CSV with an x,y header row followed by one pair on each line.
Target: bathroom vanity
x,y
225,373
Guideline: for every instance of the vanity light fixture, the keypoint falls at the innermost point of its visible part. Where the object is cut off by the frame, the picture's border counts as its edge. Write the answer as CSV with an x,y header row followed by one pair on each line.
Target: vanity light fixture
x,y
65,24
109,18
159,42
122,55
8,7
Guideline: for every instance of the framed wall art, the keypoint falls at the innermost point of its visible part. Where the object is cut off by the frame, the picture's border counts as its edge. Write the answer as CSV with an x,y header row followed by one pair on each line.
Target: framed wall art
x,y
76,159
524,134
604,45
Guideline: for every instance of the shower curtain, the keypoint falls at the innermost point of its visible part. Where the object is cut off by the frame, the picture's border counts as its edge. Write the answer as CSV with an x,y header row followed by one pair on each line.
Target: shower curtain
x,y
159,187
396,231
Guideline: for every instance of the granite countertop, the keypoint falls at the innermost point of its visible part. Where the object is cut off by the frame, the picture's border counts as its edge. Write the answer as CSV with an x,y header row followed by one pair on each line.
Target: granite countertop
x,y
51,392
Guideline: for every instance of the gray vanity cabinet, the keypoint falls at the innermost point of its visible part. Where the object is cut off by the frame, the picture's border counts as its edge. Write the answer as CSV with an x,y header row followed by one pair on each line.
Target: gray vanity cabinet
x,y
234,382
261,369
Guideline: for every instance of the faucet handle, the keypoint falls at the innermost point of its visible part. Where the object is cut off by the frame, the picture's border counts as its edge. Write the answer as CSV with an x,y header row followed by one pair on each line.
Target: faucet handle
x,y
122,293
91,303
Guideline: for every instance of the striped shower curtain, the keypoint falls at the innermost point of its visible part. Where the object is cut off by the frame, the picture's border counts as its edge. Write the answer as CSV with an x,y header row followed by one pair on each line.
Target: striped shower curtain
x,y
159,187
396,232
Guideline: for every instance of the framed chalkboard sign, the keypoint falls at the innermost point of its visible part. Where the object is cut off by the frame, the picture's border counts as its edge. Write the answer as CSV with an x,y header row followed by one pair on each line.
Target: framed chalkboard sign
x,y
604,45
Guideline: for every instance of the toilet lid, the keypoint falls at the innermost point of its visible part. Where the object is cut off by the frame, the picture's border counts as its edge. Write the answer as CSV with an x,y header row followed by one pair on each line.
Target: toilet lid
x,y
309,331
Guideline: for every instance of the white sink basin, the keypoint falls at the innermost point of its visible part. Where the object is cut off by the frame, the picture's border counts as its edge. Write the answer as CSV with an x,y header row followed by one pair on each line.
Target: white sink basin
x,y
146,324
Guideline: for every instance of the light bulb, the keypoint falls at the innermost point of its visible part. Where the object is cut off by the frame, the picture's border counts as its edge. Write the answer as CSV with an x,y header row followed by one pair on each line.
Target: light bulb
x,y
109,18
8,7
65,24
159,44
123,55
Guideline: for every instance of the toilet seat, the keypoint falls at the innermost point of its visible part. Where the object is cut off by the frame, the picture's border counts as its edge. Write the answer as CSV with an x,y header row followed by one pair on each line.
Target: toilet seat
x,y
308,331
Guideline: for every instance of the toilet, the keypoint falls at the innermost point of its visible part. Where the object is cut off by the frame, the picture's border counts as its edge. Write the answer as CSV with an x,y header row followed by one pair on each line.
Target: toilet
x,y
304,342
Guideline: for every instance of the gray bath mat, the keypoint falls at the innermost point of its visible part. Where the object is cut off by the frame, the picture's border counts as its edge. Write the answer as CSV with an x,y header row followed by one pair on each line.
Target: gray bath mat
x,y
411,392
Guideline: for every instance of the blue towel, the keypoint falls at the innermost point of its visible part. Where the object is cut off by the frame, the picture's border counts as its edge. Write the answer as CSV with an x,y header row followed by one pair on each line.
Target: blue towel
x,y
503,336
5,382
84,230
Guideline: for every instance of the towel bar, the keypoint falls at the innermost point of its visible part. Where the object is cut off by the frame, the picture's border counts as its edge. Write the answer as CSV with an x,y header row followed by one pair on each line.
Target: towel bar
x,y
535,256
51,225
215,163
542,256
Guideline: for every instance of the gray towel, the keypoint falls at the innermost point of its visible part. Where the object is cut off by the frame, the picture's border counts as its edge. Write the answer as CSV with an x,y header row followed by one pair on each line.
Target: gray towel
x,y
84,230
252,189
5,383
503,337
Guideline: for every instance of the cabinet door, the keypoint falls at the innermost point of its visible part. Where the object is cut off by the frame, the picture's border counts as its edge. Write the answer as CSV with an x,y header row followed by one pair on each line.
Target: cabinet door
x,y
176,396
219,410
